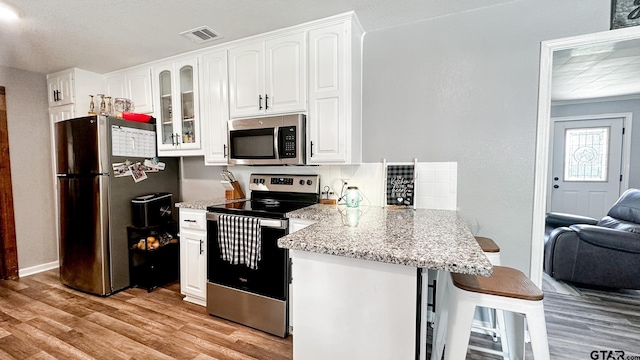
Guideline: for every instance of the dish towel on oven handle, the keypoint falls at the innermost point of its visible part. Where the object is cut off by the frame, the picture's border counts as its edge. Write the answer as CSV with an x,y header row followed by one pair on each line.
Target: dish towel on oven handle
x,y
240,239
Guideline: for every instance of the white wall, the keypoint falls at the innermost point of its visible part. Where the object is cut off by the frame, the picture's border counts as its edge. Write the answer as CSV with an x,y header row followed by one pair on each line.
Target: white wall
x,y
31,166
464,88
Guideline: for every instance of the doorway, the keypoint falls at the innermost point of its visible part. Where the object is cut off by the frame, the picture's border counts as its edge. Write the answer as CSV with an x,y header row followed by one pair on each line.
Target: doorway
x,y
586,162
542,180
8,246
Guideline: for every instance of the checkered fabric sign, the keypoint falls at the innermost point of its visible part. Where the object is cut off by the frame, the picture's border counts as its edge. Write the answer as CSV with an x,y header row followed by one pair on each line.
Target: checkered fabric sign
x,y
400,184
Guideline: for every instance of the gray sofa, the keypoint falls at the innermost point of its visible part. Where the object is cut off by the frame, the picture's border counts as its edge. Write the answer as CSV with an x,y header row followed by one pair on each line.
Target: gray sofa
x,y
603,253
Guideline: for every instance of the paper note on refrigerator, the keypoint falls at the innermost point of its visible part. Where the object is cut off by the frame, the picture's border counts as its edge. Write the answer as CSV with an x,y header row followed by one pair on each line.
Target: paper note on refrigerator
x,y
132,142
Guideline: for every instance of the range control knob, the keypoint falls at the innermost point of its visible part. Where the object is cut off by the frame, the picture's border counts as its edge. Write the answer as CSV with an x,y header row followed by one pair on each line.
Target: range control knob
x,y
261,181
309,182
301,182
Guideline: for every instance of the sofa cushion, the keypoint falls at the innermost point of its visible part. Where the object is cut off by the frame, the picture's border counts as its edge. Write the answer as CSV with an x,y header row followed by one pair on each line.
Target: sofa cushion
x,y
627,208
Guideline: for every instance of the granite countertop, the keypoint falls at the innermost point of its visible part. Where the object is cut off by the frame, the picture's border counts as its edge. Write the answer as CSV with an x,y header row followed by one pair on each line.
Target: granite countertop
x,y
202,204
433,239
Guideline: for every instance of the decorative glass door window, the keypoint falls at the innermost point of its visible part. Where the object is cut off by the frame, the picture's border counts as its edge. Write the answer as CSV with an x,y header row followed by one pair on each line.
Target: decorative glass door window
x,y
186,95
166,112
586,154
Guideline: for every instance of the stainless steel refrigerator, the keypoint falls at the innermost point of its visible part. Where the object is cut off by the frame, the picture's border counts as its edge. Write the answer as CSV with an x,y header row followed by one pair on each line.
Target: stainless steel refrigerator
x,y
94,205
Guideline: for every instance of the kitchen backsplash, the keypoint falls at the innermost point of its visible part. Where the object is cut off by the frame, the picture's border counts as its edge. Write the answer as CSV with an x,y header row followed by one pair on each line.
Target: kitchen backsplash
x,y
436,182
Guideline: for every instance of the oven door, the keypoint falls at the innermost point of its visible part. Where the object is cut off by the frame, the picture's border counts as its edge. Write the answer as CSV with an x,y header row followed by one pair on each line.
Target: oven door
x,y
270,279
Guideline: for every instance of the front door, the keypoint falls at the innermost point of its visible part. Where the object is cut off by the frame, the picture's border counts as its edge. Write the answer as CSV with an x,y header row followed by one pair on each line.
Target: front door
x,y
586,166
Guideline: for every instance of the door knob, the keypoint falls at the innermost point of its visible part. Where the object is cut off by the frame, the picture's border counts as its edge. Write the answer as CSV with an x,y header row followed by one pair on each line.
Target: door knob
x,y
556,178
556,186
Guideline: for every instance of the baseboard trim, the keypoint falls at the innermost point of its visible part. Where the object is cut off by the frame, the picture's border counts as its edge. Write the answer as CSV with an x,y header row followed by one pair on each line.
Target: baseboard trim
x,y
38,268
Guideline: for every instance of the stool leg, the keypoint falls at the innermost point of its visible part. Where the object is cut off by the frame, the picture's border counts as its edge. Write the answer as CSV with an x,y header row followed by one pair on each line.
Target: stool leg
x,y
538,332
441,315
461,312
501,327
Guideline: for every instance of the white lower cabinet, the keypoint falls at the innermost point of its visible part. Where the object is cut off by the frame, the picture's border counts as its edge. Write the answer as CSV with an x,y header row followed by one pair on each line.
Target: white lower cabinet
x,y
193,255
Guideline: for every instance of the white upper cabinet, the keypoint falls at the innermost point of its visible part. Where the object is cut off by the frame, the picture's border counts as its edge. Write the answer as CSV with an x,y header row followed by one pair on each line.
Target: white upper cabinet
x,y
133,84
61,113
268,76
60,86
214,102
334,120
177,112
73,86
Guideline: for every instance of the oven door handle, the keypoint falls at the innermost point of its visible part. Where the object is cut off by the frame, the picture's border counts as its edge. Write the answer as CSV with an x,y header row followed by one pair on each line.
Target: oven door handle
x,y
264,222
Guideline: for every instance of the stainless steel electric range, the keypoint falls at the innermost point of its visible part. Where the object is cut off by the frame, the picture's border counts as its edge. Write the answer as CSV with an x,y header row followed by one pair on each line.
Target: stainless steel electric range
x,y
248,275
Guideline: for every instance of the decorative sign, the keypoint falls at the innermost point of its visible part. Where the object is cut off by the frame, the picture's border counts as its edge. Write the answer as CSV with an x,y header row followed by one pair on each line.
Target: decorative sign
x,y
400,184
625,13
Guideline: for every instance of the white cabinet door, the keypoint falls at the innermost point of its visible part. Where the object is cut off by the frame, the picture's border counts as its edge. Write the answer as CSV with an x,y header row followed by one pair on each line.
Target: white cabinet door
x,y
60,88
177,111
116,85
327,123
334,120
138,89
193,255
246,80
60,113
193,275
286,74
133,84
268,77
215,106
166,110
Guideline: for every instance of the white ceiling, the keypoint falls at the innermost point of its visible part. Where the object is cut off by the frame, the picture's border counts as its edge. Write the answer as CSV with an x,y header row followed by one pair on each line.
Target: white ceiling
x,y
104,36
597,71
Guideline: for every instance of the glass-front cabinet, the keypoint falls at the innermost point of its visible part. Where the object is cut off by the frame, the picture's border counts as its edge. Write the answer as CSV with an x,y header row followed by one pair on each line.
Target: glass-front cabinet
x,y
178,116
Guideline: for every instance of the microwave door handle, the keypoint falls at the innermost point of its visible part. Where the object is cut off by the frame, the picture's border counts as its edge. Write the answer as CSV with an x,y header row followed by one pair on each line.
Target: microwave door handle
x,y
276,141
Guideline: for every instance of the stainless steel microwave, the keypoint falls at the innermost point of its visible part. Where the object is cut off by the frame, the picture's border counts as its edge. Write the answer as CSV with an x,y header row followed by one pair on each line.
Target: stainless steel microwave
x,y
274,140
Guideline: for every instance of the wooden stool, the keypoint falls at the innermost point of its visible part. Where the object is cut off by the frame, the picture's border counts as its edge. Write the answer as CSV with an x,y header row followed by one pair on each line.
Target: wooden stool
x,y
508,289
496,319
490,249
497,327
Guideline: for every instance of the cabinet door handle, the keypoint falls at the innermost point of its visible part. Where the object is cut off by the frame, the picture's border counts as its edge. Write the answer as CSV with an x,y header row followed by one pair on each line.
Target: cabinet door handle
x,y
55,95
177,139
266,101
259,102
224,150
201,247
189,220
311,149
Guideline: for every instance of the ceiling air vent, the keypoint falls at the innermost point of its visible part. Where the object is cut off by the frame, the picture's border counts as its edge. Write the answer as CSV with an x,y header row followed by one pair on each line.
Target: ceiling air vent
x,y
201,34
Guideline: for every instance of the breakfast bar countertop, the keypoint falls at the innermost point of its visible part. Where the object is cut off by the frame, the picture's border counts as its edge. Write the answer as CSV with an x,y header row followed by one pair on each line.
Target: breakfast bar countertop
x,y
423,238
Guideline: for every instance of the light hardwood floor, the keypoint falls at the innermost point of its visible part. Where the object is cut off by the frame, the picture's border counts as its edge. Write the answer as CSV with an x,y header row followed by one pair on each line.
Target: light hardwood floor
x,y
42,319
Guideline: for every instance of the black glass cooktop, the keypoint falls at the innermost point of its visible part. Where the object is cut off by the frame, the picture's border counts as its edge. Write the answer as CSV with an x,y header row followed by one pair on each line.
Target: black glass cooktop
x,y
268,208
